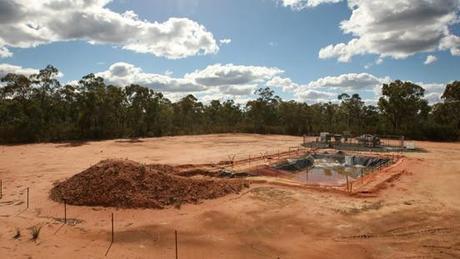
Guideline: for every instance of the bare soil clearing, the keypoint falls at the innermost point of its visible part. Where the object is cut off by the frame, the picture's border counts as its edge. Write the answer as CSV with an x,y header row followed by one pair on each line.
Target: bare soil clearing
x,y
416,215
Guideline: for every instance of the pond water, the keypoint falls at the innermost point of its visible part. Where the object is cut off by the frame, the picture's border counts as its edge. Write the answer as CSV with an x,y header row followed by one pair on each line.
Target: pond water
x,y
330,170
326,173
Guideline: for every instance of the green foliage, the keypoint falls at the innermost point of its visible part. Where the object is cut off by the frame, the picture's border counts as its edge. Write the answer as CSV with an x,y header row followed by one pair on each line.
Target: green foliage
x,y
402,104
438,132
38,108
452,92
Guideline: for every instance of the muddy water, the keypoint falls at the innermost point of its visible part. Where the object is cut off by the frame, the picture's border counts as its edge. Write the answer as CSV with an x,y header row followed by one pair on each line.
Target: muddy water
x,y
328,172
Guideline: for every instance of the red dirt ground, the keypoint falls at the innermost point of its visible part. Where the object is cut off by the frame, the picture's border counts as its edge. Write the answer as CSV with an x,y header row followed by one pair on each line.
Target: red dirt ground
x,y
415,216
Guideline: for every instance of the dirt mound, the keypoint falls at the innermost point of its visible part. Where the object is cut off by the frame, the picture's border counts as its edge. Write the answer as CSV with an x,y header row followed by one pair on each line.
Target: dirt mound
x,y
128,184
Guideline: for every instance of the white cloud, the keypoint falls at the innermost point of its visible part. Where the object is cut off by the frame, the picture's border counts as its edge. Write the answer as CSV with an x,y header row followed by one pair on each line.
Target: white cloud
x,y
123,74
451,42
238,83
329,87
25,24
315,96
285,83
207,97
7,68
397,28
241,90
430,59
223,80
5,53
433,98
225,41
210,95
350,82
229,74
432,87
301,4
433,91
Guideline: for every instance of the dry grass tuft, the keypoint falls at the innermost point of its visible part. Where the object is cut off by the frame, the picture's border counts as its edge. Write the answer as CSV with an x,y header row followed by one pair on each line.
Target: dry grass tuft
x,y
18,234
36,232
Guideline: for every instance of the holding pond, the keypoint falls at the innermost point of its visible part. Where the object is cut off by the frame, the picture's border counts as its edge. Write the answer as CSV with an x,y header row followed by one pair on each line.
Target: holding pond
x,y
331,169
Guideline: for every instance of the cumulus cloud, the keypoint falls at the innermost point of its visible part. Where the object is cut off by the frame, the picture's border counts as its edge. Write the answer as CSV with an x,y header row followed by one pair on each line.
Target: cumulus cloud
x,y
350,82
315,96
238,89
238,83
433,98
433,91
123,74
430,59
285,83
208,96
451,42
301,4
397,29
229,79
229,74
25,24
7,68
329,87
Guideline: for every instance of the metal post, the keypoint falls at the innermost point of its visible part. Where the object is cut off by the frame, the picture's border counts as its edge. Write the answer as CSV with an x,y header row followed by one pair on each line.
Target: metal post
x,y
347,182
113,235
65,211
113,239
27,197
175,237
306,176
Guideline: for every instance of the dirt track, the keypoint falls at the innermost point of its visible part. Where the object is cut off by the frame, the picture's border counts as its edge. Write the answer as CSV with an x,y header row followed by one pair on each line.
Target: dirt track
x,y
416,216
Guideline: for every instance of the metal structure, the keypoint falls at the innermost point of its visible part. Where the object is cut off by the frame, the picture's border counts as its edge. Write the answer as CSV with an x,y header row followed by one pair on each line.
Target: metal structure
x,y
369,140
365,142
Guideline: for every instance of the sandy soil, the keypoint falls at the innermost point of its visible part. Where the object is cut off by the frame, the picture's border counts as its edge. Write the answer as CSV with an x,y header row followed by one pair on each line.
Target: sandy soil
x,y
416,216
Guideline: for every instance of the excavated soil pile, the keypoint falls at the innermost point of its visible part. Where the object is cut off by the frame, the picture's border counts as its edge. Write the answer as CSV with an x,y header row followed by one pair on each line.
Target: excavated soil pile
x,y
128,184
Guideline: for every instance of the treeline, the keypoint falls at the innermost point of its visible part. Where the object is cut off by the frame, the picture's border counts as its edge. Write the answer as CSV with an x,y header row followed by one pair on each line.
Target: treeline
x,y
38,108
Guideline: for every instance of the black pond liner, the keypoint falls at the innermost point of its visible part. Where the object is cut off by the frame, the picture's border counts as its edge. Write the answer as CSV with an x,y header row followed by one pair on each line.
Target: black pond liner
x,y
296,164
369,161
301,163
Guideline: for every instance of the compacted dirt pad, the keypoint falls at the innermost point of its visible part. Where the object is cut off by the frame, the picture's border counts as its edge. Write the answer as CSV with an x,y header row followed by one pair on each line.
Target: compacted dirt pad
x,y
128,184
415,216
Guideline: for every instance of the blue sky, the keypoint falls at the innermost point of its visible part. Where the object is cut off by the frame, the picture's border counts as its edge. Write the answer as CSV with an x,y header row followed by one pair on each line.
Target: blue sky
x,y
286,38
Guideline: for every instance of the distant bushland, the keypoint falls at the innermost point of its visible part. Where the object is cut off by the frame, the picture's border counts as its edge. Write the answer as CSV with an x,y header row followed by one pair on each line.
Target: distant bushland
x,y
38,108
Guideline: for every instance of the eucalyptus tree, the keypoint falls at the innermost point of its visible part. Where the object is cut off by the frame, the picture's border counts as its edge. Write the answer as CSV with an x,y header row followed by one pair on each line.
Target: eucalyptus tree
x,y
402,104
